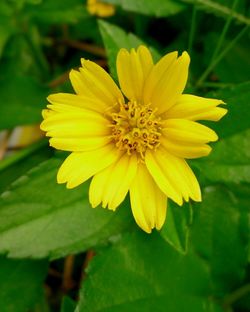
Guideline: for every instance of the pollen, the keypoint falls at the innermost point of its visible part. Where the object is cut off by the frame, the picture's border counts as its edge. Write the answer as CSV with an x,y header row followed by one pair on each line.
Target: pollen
x,y
135,128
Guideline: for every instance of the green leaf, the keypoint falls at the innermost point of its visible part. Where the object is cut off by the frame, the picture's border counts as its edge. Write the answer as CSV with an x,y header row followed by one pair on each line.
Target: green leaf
x,y
220,235
16,165
149,275
238,105
176,228
57,11
229,161
114,39
143,273
22,99
21,283
6,31
156,8
221,8
41,218
68,305
237,61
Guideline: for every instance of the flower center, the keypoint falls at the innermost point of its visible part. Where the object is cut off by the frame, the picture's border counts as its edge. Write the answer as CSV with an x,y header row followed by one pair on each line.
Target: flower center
x,y
135,128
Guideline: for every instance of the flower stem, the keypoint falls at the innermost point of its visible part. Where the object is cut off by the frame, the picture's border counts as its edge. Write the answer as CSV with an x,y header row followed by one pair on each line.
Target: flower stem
x,y
224,31
220,56
236,295
22,154
192,29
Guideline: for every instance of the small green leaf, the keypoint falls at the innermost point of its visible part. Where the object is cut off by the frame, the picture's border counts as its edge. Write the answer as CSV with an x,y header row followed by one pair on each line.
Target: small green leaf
x,y
21,284
157,8
114,39
41,218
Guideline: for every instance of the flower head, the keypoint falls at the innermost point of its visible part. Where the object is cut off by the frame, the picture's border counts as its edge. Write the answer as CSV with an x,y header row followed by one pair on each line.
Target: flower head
x,y
100,8
134,139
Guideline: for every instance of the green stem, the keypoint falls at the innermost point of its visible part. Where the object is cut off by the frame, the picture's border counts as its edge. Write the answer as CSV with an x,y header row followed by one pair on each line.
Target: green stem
x,y
220,56
236,295
224,31
22,154
192,29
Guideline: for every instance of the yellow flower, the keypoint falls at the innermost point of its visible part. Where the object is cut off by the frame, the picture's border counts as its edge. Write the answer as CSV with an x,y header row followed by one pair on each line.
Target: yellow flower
x,y
136,140
100,8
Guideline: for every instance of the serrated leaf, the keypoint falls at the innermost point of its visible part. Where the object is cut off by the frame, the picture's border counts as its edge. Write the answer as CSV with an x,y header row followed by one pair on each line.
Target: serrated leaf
x,y
114,39
143,273
20,283
156,8
43,219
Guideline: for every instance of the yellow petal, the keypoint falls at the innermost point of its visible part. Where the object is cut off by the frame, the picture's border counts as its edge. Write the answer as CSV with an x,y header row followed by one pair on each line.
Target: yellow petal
x,y
196,108
148,203
46,113
79,167
111,185
76,124
156,75
64,102
77,130
188,131
162,177
94,82
185,149
165,86
176,172
132,69
79,144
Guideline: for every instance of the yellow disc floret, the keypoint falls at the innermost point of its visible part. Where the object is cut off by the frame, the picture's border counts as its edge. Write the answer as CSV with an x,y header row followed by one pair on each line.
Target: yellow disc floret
x,y
135,128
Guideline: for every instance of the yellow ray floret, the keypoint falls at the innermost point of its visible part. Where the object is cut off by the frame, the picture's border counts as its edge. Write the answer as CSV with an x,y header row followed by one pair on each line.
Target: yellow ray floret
x,y
136,145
